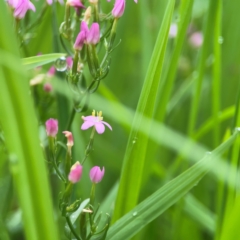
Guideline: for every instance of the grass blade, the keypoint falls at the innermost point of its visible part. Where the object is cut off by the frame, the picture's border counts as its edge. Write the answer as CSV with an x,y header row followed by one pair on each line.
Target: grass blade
x,y
135,155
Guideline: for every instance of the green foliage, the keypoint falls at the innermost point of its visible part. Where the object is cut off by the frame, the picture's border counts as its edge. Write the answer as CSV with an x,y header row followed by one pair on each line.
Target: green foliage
x,y
168,106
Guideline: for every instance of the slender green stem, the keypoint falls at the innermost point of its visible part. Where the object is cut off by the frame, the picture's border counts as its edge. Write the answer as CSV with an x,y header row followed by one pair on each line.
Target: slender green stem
x,y
217,73
89,146
58,171
72,228
39,18
75,63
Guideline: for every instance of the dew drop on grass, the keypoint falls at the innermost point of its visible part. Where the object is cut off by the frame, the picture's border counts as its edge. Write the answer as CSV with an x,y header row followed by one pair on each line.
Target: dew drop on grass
x,y
134,214
61,64
220,39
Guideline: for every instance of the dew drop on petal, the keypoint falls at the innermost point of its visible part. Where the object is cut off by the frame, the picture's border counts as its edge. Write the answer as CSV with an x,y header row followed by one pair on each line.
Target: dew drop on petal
x,y
61,64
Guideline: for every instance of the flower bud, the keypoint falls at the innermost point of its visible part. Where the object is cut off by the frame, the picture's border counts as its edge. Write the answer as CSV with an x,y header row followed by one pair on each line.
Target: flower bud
x,y
196,39
75,3
51,71
69,61
87,15
51,127
21,7
75,173
78,45
69,137
93,35
96,174
118,8
47,87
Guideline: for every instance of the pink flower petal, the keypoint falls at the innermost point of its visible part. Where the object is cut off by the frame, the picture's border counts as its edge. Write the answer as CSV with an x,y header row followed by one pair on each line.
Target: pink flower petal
x,y
108,125
100,128
87,124
90,118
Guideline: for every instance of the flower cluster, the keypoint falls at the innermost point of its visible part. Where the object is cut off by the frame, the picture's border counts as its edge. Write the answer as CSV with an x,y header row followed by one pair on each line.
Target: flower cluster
x,y
87,36
75,171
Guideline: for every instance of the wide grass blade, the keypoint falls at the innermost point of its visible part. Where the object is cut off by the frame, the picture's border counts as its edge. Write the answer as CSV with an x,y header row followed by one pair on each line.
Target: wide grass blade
x,y
20,129
36,61
166,196
135,155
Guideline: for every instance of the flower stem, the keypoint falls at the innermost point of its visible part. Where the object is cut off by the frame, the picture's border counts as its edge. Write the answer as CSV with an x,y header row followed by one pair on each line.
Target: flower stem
x,y
89,146
72,228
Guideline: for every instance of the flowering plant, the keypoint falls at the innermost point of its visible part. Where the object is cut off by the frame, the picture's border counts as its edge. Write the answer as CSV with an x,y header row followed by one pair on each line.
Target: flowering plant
x,y
129,171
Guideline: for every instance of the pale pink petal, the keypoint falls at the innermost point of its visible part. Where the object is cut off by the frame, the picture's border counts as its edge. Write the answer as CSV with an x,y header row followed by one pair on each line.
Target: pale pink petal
x,y
90,118
31,6
87,124
49,2
100,128
108,125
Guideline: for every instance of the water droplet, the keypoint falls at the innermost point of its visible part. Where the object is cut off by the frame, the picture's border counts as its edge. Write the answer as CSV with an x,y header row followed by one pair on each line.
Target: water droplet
x,y
220,39
134,142
208,153
135,214
237,129
61,64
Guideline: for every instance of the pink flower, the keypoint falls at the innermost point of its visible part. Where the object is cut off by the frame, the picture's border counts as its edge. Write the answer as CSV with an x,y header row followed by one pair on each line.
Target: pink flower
x,y
118,8
75,3
51,71
93,35
69,137
21,7
196,39
75,173
78,45
96,174
69,61
51,127
13,3
47,87
96,121
84,28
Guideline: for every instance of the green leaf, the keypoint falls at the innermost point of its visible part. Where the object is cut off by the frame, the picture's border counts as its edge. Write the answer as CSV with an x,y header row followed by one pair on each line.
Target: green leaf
x,y
135,156
166,196
36,61
19,124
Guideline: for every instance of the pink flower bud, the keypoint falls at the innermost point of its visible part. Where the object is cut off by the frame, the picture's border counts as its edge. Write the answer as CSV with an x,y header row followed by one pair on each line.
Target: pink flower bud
x,y
69,137
51,71
118,8
196,39
78,45
47,87
75,3
84,28
96,174
21,7
93,35
69,61
75,173
51,127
